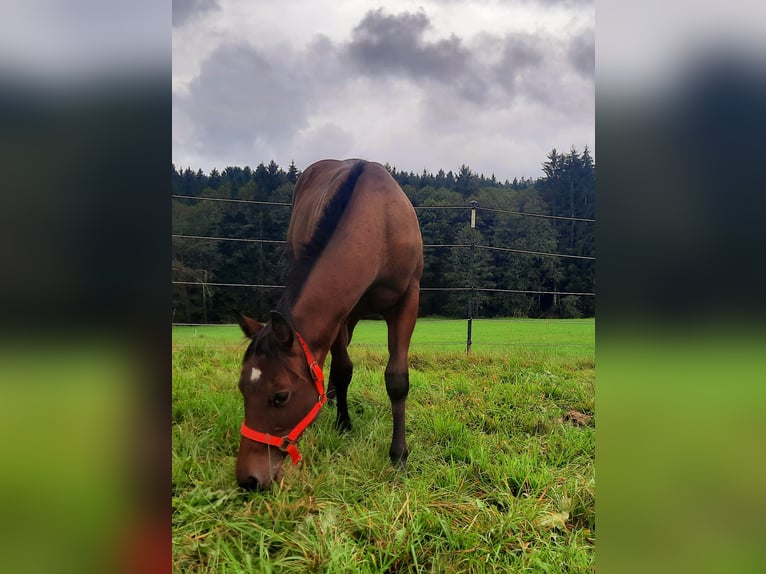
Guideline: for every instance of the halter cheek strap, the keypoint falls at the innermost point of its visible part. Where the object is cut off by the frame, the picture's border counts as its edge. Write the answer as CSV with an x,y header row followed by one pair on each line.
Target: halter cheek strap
x,y
287,443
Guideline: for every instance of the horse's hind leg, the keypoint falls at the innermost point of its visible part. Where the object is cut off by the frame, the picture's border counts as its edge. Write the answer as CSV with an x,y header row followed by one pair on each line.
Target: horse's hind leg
x,y
341,370
401,323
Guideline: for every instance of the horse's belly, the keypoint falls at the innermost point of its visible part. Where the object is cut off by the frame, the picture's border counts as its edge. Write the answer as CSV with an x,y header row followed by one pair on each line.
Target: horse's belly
x,y
377,299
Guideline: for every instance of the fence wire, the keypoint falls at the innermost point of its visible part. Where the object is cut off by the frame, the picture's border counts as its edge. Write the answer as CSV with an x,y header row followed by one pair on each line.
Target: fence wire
x,y
417,207
462,343
415,343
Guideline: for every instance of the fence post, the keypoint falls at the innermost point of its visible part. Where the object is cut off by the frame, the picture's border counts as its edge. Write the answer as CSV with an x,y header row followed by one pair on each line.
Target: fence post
x,y
469,342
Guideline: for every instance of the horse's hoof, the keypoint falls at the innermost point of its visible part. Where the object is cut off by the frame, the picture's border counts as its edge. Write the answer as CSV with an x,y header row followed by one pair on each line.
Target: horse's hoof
x,y
343,427
400,467
399,462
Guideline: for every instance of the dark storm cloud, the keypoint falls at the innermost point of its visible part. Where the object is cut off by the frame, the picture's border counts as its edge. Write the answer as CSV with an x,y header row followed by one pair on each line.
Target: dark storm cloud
x,y
526,64
582,54
563,2
184,10
543,2
395,44
242,96
522,52
494,71
248,100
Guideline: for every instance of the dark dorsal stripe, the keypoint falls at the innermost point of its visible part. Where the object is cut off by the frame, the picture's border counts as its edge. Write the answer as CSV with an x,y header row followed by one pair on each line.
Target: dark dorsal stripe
x,y
300,268
332,214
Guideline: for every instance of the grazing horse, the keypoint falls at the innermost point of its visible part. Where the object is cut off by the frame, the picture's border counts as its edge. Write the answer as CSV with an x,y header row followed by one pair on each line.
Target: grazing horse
x,y
354,249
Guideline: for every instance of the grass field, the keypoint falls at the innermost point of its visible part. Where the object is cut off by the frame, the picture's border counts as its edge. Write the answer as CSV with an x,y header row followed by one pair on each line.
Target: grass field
x,y
565,336
500,475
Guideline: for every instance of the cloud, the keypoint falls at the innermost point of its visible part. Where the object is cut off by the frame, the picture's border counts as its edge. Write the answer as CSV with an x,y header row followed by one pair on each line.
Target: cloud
x,y
185,10
582,54
521,64
391,89
567,3
545,2
488,70
384,43
394,45
324,141
241,98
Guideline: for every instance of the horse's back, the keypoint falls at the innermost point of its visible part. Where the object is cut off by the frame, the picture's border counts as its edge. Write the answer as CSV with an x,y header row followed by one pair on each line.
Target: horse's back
x,y
375,246
378,209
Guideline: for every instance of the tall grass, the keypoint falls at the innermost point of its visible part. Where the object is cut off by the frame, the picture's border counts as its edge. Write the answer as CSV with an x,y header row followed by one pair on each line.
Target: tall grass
x,y
499,479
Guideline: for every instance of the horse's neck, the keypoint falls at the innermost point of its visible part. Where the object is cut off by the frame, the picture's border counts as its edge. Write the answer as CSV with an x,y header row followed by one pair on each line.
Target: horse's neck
x,y
329,293
318,331
318,319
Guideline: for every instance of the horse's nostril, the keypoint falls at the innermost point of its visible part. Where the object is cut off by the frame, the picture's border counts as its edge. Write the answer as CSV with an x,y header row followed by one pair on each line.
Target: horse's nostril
x,y
251,483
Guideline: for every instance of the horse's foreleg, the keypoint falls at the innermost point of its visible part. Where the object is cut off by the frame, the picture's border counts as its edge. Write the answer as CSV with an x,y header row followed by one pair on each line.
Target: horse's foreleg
x,y
341,370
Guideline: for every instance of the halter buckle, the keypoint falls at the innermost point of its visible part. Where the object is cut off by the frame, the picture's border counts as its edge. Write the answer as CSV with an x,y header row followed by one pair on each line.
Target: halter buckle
x,y
316,371
289,447
286,442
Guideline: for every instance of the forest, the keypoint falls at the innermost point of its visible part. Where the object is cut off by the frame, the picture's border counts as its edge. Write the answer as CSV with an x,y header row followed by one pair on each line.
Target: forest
x,y
531,253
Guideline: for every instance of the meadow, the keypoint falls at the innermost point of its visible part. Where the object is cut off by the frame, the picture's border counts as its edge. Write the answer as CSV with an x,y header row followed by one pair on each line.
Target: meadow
x,y
500,476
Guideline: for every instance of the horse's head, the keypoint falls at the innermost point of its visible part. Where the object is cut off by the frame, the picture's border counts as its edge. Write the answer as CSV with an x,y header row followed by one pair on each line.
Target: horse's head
x,y
280,399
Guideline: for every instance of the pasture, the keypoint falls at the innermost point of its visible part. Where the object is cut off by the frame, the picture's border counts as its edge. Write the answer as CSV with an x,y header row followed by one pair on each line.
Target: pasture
x,y
500,475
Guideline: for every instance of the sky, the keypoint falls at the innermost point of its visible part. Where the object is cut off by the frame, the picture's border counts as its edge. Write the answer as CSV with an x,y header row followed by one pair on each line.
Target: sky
x,y
431,85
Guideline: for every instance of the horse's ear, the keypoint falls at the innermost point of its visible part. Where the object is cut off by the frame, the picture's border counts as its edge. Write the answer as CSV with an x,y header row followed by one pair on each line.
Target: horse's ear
x,y
248,325
282,330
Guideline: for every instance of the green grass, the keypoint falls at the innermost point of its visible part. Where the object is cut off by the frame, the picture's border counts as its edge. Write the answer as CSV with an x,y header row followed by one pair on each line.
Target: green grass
x,y
562,336
498,479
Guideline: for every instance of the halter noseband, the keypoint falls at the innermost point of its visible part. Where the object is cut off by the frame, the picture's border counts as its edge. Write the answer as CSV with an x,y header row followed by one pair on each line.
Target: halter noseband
x,y
287,443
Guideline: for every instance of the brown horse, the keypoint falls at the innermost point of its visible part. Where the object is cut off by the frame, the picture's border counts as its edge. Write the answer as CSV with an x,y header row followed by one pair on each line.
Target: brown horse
x,y
355,249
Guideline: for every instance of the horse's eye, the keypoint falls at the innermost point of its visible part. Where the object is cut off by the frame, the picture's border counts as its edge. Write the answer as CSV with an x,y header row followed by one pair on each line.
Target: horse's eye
x,y
280,398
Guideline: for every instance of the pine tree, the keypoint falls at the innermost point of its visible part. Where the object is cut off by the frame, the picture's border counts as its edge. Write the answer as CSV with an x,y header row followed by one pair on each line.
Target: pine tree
x,y
292,173
466,182
568,188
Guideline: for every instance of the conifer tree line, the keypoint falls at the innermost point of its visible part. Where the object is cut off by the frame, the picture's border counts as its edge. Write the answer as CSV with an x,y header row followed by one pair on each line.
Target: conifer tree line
x,y
442,200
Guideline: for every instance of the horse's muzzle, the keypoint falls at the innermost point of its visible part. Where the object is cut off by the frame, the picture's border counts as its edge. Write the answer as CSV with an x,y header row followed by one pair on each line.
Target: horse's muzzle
x,y
252,483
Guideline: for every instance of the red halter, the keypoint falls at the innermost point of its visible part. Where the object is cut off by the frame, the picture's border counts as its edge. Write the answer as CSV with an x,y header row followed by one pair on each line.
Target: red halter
x,y
287,442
